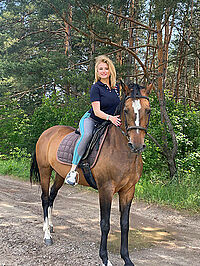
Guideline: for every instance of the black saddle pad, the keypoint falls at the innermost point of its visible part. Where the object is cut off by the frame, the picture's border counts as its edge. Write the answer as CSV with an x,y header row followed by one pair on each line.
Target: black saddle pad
x,y
66,149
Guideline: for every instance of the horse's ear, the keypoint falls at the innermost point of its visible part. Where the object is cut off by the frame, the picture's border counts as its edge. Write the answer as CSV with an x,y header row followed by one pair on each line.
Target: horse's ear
x,y
123,88
149,89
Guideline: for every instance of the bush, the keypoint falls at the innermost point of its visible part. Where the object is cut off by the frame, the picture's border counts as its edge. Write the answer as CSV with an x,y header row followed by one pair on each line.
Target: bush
x,y
18,164
56,110
14,127
186,123
18,130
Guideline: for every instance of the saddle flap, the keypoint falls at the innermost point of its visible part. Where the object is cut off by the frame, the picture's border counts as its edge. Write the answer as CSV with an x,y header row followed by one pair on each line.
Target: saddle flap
x,y
66,148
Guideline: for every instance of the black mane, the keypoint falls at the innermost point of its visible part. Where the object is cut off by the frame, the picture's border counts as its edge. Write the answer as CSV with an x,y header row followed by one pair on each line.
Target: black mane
x,y
135,90
135,93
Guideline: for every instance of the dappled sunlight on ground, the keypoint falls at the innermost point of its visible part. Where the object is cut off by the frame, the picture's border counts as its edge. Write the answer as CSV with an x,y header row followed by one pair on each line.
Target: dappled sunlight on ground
x,y
141,238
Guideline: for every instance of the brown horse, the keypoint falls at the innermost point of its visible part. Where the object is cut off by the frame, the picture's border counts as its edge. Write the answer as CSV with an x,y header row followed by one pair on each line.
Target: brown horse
x,y
117,170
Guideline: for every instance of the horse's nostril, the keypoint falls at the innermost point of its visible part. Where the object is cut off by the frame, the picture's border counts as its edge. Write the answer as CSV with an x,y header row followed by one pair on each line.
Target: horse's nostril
x,y
136,149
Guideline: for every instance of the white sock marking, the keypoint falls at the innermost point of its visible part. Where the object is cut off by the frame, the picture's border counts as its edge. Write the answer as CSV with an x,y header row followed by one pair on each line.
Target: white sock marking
x,y
46,230
50,216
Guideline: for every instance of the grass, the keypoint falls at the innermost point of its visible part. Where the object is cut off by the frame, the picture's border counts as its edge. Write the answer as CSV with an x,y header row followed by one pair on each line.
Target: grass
x,y
18,168
179,193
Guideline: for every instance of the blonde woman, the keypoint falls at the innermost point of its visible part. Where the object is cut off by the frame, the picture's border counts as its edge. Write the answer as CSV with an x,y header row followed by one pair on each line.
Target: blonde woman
x,y
104,96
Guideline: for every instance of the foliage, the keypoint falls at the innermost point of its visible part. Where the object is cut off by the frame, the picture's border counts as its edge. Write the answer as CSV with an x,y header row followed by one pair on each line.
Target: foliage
x,y
186,123
17,165
20,131
13,127
45,79
57,110
180,193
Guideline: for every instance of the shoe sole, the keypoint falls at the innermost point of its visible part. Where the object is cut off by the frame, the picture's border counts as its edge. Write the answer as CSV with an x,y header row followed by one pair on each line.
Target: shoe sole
x,y
69,183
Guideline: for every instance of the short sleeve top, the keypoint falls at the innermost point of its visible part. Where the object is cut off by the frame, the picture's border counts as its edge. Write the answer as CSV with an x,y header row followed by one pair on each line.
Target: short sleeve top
x,y
109,99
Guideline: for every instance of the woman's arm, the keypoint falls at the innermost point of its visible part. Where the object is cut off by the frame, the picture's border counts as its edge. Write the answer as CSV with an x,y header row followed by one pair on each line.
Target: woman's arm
x,y
97,111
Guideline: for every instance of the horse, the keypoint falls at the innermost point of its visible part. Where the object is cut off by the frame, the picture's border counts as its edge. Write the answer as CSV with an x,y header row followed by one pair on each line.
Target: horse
x,y
118,169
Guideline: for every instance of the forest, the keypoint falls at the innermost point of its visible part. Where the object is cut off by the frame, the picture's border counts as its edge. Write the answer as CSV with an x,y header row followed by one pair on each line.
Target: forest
x,y
47,58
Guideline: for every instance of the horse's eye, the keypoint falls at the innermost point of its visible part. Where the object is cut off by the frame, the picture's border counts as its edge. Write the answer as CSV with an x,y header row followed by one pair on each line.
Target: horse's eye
x,y
148,111
126,111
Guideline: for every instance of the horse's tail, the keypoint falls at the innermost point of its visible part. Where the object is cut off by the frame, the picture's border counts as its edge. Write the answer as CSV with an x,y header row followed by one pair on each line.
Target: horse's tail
x,y
34,170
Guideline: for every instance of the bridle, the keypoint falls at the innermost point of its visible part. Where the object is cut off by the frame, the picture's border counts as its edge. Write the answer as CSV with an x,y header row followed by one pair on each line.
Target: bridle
x,y
135,127
128,128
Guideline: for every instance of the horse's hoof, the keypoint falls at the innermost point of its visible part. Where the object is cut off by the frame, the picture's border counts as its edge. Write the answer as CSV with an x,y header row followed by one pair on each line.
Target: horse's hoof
x,y
51,229
48,242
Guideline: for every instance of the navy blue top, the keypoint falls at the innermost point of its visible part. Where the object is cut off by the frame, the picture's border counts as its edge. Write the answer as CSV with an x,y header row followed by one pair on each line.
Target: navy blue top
x,y
109,99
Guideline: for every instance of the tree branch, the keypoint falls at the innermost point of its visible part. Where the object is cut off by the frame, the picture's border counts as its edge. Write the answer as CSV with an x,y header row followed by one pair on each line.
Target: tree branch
x,y
126,18
157,144
104,40
87,61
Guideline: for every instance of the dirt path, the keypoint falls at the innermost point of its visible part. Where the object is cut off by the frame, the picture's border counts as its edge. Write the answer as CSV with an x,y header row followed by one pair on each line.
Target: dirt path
x,y
158,236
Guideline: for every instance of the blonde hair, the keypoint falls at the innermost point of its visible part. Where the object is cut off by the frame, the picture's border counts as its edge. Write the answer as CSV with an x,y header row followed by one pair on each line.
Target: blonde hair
x,y
105,59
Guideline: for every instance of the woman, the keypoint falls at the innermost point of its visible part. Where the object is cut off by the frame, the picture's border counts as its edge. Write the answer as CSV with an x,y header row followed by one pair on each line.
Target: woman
x,y
104,96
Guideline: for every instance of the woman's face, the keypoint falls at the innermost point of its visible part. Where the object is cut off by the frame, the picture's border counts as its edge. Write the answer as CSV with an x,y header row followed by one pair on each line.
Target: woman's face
x,y
103,71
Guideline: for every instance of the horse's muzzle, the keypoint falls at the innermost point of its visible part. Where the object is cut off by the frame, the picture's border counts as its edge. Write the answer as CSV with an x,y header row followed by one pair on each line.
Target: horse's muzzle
x,y
136,149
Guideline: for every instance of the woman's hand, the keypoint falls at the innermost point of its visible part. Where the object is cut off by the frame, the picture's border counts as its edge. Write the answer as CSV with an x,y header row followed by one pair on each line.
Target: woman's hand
x,y
115,120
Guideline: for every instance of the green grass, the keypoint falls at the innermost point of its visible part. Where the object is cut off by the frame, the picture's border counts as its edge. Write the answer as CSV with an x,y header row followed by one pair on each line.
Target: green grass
x,y
180,193
18,168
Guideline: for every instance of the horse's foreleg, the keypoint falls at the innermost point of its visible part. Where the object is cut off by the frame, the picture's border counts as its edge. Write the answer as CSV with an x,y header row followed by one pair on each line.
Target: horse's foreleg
x,y
105,199
54,191
125,200
45,174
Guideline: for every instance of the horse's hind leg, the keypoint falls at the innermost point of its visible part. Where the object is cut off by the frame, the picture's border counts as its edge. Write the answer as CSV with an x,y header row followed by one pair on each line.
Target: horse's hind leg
x,y
54,191
45,174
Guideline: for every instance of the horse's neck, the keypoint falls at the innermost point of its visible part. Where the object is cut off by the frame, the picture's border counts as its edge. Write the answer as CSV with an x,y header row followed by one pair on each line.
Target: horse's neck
x,y
117,140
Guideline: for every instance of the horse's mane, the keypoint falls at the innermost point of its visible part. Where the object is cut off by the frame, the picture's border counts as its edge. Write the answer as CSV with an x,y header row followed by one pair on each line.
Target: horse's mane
x,y
135,90
134,93
120,106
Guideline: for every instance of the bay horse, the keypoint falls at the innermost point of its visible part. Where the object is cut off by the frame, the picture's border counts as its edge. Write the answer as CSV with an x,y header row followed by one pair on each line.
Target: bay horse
x,y
118,169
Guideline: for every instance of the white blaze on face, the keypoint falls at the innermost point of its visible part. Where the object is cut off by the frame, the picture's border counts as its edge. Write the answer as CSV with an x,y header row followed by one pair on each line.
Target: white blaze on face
x,y
136,107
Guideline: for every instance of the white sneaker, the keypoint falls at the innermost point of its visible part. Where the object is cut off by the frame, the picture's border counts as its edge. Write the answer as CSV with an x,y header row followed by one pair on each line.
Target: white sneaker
x,y
71,178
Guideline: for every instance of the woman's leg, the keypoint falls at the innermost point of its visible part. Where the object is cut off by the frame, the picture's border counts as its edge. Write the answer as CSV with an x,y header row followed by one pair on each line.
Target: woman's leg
x,y
86,127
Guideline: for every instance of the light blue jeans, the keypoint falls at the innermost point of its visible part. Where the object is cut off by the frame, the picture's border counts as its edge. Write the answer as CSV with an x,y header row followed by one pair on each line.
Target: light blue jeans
x,y
86,127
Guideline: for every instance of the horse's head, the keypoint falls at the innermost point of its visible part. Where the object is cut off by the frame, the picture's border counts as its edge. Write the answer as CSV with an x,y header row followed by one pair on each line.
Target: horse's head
x,y
135,114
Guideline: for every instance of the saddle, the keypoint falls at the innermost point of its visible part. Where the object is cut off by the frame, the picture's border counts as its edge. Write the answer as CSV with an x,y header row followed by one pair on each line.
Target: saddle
x,y
66,149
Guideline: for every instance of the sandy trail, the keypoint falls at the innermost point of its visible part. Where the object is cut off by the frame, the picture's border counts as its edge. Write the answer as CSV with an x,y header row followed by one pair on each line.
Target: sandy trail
x,y
158,235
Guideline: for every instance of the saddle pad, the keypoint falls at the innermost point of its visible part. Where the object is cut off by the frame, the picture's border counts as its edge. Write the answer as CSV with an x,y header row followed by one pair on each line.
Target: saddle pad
x,y
66,149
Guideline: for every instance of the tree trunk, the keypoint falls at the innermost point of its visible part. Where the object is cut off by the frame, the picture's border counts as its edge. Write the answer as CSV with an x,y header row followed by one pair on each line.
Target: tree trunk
x,y
119,54
68,30
130,41
92,49
148,42
167,126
